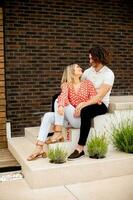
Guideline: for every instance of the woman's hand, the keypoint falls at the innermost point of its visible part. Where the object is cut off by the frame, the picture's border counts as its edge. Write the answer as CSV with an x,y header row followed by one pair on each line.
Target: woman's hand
x,y
79,108
61,110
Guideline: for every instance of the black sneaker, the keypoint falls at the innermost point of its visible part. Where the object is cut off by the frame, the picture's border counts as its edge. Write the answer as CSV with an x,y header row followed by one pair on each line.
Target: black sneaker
x,y
76,154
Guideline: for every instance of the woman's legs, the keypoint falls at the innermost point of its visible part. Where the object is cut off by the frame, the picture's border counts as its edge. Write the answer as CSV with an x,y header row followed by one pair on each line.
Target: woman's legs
x,y
38,152
69,116
50,118
60,121
69,111
47,121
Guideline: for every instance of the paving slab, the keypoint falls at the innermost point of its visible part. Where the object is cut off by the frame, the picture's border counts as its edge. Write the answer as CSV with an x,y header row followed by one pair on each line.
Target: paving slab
x,y
118,188
20,190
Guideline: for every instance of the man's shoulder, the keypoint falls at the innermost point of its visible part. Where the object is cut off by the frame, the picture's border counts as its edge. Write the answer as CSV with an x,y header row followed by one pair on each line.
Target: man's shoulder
x,y
108,70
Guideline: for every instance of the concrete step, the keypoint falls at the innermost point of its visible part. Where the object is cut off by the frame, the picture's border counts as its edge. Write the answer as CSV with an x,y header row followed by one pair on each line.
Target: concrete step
x,y
40,173
118,103
71,137
31,133
100,125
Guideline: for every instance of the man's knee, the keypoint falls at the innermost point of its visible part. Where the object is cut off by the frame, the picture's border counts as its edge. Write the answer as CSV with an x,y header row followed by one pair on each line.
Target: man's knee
x,y
86,112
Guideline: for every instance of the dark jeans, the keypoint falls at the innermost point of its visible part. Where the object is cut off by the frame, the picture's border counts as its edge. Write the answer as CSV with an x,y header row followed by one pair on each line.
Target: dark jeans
x,y
87,114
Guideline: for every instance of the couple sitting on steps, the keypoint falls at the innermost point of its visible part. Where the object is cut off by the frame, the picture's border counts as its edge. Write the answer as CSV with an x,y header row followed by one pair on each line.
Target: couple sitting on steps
x,y
83,96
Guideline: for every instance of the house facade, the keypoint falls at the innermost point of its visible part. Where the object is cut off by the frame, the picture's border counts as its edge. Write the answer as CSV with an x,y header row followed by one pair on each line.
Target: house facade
x,y
39,38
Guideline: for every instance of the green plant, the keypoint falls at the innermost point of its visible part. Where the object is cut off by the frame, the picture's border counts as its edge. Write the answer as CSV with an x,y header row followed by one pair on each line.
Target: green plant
x,y
57,155
97,147
122,136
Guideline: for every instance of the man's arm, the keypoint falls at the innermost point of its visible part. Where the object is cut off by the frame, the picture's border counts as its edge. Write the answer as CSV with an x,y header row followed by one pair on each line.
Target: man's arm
x,y
103,90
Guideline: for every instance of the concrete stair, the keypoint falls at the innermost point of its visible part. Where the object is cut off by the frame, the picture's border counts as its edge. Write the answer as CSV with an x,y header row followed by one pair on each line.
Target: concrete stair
x,y
40,173
71,137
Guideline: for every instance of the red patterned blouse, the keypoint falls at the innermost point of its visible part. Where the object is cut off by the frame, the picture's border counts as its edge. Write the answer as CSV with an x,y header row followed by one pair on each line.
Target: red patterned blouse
x,y
70,96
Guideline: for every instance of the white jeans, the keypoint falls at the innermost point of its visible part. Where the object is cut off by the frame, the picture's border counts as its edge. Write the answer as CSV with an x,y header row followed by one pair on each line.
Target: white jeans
x,y
54,118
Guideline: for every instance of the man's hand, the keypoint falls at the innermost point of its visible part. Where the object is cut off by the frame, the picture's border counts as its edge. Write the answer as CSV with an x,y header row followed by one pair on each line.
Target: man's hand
x,y
61,110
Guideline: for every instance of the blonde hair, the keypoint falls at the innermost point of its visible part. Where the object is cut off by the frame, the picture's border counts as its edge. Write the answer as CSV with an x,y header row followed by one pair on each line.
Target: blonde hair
x,y
68,74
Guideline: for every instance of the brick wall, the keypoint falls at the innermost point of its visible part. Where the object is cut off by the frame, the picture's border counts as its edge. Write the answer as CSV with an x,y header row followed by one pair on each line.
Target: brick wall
x,y
42,37
2,87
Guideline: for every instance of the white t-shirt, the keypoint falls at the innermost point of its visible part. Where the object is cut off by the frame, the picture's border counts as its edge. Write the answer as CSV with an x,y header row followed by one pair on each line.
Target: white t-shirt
x,y
103,76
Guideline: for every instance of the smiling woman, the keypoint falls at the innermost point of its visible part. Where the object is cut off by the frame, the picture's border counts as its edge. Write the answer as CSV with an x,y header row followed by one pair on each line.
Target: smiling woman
x,y
3,139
